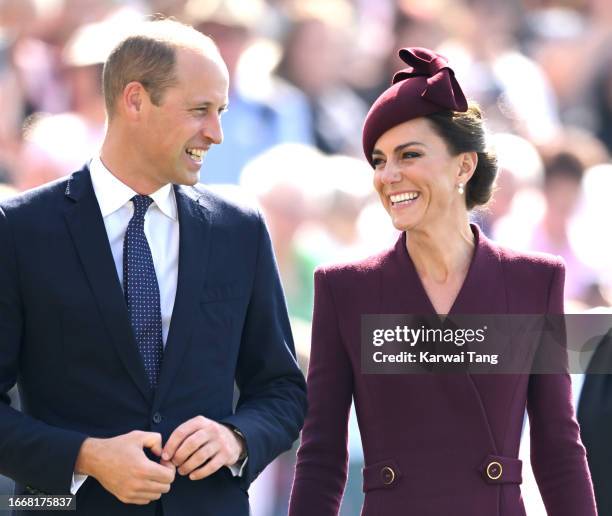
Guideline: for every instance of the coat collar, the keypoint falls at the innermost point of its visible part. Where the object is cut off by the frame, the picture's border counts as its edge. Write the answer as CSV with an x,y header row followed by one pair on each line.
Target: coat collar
x,y
483,290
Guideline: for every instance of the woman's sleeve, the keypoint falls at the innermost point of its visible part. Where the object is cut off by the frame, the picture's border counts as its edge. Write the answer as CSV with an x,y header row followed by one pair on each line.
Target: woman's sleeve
x,y
322,459
558,457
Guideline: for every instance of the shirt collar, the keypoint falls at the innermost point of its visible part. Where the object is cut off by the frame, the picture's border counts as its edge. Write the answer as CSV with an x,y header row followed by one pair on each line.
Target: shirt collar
x,y
112,194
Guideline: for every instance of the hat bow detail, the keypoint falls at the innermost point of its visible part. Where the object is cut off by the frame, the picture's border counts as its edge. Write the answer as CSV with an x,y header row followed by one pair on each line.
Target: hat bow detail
x,y
442,87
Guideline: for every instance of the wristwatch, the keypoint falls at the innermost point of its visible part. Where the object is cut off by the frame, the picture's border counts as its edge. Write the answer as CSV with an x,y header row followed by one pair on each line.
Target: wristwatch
x,y
244,453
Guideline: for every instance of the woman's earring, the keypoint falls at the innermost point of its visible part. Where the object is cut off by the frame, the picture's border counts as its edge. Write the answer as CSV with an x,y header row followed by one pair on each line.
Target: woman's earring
x,y
460,188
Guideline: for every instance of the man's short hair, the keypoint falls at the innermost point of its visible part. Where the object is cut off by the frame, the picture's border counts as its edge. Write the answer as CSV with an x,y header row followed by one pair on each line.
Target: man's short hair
x,y
148,56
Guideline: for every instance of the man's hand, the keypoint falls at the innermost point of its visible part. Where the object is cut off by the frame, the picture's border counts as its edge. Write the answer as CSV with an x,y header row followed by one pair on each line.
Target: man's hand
x,y
121,466
200,446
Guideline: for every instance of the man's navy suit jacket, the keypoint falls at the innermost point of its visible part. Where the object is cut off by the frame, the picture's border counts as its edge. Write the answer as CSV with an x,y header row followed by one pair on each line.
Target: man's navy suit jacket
x,y
66,339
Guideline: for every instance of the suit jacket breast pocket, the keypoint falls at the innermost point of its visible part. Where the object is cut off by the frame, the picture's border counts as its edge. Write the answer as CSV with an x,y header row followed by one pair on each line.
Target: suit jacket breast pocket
x,y
222,310
223,292
221,305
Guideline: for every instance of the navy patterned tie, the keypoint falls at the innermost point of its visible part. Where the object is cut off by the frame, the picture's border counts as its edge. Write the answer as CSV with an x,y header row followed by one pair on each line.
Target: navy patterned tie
x,y
142,291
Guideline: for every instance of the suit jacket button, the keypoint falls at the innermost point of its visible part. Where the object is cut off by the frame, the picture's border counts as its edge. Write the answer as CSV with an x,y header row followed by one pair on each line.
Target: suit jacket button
x,y
387,475
157,418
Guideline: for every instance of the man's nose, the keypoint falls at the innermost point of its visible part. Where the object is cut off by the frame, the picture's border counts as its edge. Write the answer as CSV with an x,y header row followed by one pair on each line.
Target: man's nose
x,y
212,129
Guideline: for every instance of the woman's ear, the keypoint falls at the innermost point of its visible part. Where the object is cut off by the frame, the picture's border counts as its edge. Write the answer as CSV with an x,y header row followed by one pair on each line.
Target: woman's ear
x,y
467,166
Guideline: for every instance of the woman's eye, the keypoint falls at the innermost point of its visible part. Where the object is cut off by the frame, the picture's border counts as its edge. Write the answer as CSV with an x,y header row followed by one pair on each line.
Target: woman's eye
x,y
409,155
376,162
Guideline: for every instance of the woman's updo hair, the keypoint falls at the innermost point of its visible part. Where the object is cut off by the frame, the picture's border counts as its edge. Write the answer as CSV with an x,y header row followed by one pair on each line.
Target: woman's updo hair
x,y
465,132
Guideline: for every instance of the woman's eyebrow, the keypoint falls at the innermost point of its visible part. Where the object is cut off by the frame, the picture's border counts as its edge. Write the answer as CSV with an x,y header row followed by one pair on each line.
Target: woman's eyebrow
x,y
400,147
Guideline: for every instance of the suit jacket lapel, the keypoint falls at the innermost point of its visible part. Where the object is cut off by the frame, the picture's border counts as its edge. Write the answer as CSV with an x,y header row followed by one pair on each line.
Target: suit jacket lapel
x,y
86,227
194,244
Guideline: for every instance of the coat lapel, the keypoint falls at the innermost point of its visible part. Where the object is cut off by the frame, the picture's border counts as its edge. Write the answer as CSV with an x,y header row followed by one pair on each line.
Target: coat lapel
x,y
483,290
86,227
194,244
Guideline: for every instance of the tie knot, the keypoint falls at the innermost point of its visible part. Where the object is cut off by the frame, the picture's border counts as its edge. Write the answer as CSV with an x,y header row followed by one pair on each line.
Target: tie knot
x,y
141,204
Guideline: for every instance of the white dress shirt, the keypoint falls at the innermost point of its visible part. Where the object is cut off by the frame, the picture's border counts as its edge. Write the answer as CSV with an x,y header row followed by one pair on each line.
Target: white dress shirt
x,y
161,227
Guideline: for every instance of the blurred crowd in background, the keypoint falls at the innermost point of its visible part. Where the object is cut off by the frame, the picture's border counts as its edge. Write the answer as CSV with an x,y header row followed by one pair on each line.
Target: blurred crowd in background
x,y
303,75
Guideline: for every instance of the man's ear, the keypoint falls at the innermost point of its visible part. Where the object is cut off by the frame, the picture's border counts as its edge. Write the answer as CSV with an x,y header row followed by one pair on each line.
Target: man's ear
x,y
134,100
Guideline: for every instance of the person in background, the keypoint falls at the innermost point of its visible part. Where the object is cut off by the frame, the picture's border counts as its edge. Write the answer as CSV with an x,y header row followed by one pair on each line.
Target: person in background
x,y
316,44
595,415
563,172
517,189
265,111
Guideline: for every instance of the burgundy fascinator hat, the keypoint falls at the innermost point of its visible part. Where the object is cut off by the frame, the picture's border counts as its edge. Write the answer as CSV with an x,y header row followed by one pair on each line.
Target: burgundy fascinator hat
x,y
426,86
